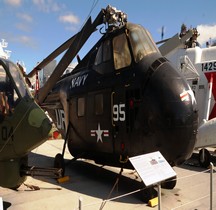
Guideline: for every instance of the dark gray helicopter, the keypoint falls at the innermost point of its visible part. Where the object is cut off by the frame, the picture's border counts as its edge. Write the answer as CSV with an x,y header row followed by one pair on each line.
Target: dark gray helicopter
x,y
122,99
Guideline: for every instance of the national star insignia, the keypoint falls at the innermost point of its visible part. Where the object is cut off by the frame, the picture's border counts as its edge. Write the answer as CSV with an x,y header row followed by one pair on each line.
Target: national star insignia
x,y
100,133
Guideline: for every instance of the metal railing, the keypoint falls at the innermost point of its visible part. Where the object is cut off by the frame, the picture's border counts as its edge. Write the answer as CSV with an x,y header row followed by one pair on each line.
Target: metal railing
x,y
211,194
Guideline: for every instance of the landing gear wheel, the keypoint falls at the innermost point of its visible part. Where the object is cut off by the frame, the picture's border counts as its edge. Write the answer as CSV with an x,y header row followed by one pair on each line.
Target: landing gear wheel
x,y
204,158
59,163
169,183
147,194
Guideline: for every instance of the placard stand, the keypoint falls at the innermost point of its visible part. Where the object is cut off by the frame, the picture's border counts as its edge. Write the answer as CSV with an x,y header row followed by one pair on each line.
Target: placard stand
x,y
153,169
159,196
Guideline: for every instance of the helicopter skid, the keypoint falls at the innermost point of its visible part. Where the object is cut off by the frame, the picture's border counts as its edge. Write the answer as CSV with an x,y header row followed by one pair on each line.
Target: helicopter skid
x,y
39,171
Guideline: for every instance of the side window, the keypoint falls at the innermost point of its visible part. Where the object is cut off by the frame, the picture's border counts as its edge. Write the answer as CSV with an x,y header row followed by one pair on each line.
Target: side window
x,y
81,107
104,53
8,95
121,53
98,59
99,104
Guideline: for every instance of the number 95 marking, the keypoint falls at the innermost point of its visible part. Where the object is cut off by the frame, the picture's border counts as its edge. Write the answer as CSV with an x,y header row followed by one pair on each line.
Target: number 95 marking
x,y
119,112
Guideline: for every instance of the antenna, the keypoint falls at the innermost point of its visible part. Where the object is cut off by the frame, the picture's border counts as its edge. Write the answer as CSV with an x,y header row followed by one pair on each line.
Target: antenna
x,y
162,32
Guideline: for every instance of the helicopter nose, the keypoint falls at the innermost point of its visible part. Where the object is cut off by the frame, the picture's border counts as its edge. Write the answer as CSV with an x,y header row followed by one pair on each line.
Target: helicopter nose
x,y
33,131
38,119
45,128
172,116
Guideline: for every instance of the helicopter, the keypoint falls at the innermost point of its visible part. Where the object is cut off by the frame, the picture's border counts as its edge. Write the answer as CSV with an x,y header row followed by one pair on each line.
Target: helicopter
x,y
122,99
23,124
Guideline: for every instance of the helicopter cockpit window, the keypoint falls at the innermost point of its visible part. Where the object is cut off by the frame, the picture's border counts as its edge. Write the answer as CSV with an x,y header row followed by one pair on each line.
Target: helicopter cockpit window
x,y
121,53
99,56
8,95
141,42
104,53
18,79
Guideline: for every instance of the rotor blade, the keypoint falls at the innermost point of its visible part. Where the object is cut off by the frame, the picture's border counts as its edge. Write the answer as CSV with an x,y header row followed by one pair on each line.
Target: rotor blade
x,y
62,48
162,41
78,41
175,42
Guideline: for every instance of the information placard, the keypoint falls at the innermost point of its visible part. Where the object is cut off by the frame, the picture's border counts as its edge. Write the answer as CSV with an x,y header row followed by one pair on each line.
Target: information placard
x,y
152,168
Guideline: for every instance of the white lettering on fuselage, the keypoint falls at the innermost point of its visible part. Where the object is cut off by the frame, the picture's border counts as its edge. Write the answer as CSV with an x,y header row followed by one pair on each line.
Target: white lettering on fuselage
x,y
79,81
60,119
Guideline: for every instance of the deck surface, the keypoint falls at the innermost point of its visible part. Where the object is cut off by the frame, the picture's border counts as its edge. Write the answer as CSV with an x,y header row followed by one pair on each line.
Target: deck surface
x,y
93,183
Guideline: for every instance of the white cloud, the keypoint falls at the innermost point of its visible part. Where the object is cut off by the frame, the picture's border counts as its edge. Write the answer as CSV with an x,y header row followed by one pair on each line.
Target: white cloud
x,y
23,27
25,41
20,39
69,18
25,17
13,2
24,23
206,32
48,5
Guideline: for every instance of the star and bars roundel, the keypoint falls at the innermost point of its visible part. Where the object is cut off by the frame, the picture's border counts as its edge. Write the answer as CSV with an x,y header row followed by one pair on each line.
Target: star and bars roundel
x,y
99,133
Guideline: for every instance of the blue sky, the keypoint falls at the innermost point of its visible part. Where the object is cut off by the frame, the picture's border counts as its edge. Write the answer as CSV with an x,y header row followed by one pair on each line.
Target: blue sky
x,y
34,28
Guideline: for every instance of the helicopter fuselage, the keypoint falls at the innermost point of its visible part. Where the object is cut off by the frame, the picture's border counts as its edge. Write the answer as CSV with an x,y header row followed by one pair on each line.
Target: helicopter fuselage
x,y
124,99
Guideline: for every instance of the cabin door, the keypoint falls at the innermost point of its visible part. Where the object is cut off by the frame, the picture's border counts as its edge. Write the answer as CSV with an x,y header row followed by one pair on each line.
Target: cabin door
x,y
77,117
99,126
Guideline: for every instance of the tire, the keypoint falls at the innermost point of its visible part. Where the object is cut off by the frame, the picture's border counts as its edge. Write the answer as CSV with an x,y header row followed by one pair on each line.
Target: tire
x,y
169,183
59,163
147,194
204,158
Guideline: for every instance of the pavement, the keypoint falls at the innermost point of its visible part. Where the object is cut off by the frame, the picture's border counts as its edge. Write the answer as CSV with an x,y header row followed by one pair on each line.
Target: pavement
x,y
95,187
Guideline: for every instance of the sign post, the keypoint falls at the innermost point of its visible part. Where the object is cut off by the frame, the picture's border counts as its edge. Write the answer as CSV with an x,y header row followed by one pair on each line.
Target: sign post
x,y
159,196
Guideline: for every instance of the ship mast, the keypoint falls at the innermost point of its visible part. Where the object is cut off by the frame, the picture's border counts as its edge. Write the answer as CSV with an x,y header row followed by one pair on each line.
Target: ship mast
x,y
4,53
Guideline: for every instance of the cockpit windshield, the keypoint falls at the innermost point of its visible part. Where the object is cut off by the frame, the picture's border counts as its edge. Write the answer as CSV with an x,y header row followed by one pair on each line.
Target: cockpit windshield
x,y
141,42
18,79
133,41
12,87
121,52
